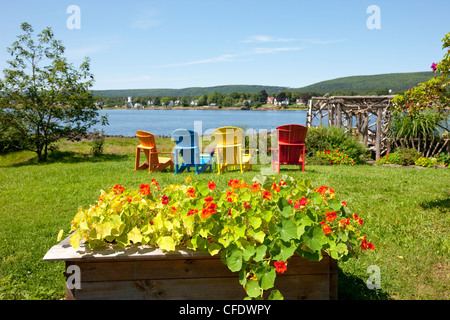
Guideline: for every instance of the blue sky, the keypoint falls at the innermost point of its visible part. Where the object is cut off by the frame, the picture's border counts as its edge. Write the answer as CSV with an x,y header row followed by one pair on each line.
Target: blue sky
x,y
177,44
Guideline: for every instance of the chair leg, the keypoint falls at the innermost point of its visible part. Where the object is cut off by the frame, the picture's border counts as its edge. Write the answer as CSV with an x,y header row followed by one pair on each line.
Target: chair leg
x,y
138,154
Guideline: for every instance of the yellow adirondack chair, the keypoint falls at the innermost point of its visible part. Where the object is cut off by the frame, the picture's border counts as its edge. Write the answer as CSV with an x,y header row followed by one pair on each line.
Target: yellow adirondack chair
x,y
154,161
230,149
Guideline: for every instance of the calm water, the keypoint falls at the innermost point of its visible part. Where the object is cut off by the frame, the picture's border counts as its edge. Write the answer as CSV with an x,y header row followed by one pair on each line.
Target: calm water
x,y
163,122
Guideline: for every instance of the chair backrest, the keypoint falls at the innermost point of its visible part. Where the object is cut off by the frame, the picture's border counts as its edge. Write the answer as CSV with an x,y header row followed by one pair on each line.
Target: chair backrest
x,y
146,139
229,136
289,138
187,144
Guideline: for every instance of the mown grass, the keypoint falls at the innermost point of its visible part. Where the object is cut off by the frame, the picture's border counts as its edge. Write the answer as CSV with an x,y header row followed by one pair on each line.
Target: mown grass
x,y
406,214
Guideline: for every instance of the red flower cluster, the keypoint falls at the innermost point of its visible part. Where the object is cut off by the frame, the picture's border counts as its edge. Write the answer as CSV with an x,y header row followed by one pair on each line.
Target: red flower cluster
x,y
145,189
211,185
209,208
255,187
267,195
236,184
118,188
300,203
280,266
230,195
322,190
247,206
330,216
357,218
165,199
192,212
366,245
191,193
275,187
326,228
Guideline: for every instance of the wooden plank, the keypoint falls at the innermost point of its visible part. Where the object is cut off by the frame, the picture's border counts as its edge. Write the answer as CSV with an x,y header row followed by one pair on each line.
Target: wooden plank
x,y
183,268
298,287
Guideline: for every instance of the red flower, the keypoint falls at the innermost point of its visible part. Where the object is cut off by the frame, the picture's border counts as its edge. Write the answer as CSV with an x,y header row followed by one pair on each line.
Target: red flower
x,y
154,183
344,222
322,190
230,195
211,185
192,212
366,245
280,266
326,228
282,183
344,203
330,216
300,202
206,213
267,195
247,206
275,187
209,199
129,199
144,189
191,193
118,188
165,199
255,187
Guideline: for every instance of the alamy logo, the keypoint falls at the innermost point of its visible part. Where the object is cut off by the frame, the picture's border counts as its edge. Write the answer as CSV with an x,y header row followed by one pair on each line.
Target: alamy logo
x,y
74,280
374,281
74,20
374,21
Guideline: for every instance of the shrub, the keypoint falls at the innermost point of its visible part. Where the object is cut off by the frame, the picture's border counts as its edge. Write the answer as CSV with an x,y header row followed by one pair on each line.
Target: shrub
x,y
335,157
322,138
404,157
97,144
426,162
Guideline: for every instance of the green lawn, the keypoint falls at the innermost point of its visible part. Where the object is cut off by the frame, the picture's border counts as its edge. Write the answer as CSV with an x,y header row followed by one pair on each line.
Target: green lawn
x,y
405,212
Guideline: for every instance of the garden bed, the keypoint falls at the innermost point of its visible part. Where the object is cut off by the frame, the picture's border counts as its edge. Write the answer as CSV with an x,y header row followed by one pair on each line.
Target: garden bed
x,y
147,273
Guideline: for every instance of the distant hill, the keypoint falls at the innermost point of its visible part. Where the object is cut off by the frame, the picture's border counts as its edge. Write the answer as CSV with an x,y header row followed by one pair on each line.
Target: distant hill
x,y
192,91
397,82
361,84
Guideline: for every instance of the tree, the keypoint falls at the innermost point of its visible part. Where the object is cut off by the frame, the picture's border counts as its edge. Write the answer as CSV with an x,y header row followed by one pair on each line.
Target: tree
x,y
429,101
43,97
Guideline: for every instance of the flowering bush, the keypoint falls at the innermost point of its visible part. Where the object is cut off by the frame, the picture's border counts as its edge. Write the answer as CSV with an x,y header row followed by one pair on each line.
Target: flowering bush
x,y
426,162
256,227
335,157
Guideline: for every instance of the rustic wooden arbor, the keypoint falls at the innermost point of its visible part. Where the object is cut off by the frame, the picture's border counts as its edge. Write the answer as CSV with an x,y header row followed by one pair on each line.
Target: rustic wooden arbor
x,y
365,116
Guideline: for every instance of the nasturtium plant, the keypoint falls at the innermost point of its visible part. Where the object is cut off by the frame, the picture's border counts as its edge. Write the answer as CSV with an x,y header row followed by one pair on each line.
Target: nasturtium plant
x,y
254,227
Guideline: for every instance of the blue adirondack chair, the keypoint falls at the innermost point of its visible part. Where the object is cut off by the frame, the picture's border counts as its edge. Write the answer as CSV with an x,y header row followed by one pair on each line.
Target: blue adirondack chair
x,y
187,147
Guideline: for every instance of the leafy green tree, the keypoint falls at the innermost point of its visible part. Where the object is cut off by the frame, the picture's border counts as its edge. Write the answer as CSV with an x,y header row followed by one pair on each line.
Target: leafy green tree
x,y
43,97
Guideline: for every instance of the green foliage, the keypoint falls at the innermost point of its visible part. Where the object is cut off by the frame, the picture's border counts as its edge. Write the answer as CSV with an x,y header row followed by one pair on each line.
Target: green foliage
x,y
255,228
426,162
323,138
335,157
97,144
404,157
43,97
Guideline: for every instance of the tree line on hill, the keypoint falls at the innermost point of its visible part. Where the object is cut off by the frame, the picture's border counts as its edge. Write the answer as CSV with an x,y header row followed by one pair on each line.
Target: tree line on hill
x,y
234,99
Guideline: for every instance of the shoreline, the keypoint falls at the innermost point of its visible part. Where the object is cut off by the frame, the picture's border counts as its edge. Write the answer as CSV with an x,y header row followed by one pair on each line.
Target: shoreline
x,y
211,108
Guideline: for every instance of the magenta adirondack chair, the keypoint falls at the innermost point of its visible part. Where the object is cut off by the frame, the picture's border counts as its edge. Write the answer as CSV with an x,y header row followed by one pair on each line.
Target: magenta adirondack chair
x,y
291,146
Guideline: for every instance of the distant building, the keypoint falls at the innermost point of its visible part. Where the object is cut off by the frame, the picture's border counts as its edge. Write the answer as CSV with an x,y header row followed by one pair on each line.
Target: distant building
x,y
194,102
270,100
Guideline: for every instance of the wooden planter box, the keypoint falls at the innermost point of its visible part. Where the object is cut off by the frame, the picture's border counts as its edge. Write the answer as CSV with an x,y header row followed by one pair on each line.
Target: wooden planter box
x,y
142,272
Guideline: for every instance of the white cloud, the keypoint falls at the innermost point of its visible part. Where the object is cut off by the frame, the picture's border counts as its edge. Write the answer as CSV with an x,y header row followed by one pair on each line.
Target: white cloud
x,y
275,50
319,41
265,39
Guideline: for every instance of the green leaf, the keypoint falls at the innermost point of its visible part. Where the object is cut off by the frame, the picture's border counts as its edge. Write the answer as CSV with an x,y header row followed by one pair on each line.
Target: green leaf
x,y
314,238
275,295
316,198
166,243
284,207
248,252
287,249
260,253
252,288
203,189
135,235
255,222
287,229
266,277
334,204
234,260
259,236
214,249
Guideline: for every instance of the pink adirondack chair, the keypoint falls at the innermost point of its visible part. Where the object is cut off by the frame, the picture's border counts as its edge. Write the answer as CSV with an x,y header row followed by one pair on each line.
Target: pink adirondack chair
x,y
291,146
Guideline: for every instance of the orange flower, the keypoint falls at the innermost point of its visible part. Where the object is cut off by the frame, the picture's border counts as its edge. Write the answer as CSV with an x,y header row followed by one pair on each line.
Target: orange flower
x,y
118,188
206,213
344,203
300,203
192,212
326,228
330,216
267,195
191,193
255,187
366,245
144,189
211,185
344,222
275,187
322,190
230,196
280,266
